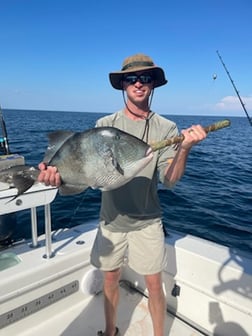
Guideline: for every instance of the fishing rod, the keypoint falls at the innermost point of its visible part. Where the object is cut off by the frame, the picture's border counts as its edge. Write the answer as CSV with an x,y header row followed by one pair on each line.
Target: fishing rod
x,y
156,145
229,76
4,139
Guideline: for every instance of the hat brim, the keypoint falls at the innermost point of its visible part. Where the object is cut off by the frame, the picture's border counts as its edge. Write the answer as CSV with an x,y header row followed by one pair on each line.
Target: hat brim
x,y
116,78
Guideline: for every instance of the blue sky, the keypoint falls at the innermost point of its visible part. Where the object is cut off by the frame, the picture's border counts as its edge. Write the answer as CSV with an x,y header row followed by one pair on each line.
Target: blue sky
x,y
56,54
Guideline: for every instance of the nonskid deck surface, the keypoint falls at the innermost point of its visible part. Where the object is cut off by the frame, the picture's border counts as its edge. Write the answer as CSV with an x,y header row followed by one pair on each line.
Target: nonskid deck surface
x,y
86,318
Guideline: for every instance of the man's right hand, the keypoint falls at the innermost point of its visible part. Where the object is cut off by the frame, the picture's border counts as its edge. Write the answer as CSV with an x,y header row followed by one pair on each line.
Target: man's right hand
x,y
49,175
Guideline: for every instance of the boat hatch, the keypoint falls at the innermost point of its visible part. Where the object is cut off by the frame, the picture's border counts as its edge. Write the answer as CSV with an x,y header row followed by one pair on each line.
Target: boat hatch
x,y
8,260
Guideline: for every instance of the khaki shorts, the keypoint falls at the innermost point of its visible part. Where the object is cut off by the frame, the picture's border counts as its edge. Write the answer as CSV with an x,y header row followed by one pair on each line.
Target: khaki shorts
x,y
144,249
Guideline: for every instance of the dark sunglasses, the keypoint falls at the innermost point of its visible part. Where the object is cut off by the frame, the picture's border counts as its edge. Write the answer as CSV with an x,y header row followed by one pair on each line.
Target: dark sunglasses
x,y
143,79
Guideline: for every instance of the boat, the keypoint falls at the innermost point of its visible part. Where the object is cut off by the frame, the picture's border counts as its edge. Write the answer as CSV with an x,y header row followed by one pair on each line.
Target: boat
x,y
47,284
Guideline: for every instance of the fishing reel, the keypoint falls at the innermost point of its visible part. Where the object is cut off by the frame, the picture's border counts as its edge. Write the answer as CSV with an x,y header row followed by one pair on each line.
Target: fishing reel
x,y
4,145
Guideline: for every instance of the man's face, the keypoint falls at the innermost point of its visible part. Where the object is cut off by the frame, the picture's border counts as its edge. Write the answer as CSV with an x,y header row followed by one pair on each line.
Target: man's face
x,y
138,86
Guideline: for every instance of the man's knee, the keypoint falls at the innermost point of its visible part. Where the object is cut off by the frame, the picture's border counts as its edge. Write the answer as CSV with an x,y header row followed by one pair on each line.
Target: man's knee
x,y
154,282
111,278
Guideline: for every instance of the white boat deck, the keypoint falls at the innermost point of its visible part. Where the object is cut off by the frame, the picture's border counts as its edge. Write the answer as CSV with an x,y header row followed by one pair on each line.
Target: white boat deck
x,y
62,295
47,285
86,318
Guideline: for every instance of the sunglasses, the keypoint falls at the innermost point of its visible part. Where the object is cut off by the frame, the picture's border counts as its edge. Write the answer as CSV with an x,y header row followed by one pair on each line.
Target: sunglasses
x,y
143,79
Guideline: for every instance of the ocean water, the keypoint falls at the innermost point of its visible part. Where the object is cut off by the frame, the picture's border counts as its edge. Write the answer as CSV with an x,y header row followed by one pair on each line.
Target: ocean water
x,y
213,200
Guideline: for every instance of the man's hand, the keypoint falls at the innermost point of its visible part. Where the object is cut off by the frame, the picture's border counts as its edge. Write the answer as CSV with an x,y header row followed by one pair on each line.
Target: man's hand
x,y
49,175
193,135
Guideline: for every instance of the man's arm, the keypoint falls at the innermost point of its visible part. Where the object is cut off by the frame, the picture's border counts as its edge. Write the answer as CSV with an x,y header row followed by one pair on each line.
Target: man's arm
x,y
176,167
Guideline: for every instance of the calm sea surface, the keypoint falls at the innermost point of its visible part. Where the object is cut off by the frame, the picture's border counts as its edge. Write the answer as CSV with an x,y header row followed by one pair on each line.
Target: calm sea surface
x,y
213,200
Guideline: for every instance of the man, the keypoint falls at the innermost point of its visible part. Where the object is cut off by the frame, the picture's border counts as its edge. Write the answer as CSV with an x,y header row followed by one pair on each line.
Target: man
x,y
130,216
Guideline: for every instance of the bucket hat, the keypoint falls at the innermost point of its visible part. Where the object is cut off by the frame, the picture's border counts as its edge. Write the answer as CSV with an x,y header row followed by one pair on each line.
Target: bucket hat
x,y
138,62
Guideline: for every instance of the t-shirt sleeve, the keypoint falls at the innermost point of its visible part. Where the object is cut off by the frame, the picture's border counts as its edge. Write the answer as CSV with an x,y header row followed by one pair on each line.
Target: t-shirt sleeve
x,y
105,121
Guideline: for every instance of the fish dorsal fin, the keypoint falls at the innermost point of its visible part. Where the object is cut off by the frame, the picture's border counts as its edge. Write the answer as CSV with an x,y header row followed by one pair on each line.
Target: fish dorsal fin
x,y
56,140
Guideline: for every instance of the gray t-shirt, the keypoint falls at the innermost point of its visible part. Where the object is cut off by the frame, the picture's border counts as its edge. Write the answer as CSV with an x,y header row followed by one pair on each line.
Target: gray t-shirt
x,y
136,204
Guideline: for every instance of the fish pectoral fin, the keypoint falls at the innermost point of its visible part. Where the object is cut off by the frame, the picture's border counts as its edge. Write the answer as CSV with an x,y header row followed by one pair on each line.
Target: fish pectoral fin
x,y
66,189
118,167
22,183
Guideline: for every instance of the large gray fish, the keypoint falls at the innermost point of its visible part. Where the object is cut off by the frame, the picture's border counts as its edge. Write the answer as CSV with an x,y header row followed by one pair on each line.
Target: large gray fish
x,y
102,157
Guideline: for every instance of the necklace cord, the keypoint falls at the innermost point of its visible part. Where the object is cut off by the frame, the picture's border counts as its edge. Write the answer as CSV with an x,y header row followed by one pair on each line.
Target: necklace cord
x,y
150,114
